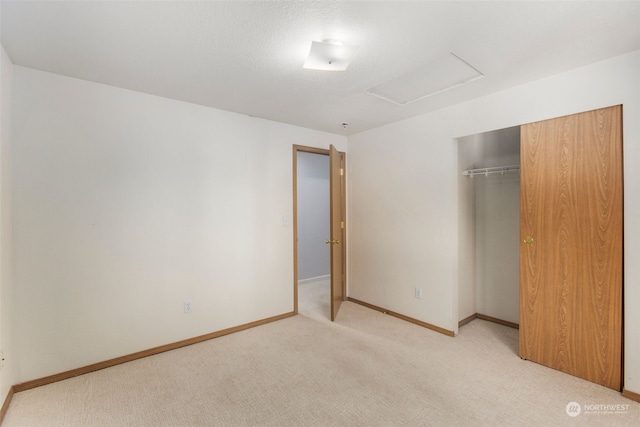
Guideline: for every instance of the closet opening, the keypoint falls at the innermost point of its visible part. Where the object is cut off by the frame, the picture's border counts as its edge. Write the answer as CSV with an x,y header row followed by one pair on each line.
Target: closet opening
x,y
489,227
565,234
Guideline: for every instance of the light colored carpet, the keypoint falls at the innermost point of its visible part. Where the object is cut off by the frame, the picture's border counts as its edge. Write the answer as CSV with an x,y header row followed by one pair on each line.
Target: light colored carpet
x,y
366,369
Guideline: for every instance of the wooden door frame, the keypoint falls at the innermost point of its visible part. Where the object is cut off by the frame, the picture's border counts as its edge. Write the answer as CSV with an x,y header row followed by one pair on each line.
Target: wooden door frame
x,y
305,149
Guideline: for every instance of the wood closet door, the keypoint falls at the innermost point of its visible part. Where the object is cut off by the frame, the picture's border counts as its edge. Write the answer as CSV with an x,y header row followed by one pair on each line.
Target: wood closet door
x,y
571,245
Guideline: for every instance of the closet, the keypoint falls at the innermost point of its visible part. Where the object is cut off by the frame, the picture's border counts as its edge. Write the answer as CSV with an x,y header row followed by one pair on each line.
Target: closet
x,y
566,239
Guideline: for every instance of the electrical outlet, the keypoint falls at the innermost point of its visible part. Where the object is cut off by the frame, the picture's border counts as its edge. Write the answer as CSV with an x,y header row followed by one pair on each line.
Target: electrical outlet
x,y
419,293
187,307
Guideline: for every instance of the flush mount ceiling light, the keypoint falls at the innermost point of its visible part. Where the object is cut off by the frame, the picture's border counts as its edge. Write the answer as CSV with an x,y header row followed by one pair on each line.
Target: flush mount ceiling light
x,y
439,75
329,55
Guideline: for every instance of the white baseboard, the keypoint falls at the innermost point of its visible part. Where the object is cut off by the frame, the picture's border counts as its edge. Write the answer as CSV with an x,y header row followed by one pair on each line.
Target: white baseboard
x,y
314,279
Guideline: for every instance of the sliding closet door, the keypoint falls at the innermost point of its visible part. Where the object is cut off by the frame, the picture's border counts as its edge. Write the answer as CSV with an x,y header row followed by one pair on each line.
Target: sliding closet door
x,y
571,245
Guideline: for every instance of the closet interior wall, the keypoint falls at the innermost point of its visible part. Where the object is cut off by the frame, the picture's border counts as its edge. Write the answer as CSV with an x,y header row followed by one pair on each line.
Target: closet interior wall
x,y
489,226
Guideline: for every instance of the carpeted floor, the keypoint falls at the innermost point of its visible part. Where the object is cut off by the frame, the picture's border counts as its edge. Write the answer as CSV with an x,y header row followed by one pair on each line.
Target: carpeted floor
x,y
366,369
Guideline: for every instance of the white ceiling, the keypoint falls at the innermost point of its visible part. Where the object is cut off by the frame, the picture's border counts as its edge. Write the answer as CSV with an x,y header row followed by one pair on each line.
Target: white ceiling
x,y
247,56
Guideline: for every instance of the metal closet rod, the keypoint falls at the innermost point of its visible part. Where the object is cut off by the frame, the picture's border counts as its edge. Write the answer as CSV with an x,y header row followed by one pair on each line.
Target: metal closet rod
x,y
489,171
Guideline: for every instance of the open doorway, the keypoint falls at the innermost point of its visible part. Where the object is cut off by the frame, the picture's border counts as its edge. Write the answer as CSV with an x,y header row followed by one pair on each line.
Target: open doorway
x,y
319,230
312,215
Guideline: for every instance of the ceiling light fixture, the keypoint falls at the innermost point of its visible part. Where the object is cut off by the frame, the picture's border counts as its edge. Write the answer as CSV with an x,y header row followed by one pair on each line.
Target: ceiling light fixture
x,y
329,55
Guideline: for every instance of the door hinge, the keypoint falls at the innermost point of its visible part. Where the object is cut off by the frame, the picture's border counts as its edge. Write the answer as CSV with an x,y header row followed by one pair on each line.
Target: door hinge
x,y
341,172
341,224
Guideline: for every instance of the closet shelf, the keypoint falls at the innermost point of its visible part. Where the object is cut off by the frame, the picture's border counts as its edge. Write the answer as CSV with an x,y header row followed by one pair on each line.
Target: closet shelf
x,y
488,171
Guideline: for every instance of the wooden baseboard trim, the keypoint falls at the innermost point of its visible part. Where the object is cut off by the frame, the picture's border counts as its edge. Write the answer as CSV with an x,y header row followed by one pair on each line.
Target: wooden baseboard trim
x,y
467,320
498,321
631,395
7,401
139,355
403,317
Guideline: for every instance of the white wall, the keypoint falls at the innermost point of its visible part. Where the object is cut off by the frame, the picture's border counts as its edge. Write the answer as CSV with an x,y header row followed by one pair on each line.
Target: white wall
x,y
403,214
8,368
313,215
126,205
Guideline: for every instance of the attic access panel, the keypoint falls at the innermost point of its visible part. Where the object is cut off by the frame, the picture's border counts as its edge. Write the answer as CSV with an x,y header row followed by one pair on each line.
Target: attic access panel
x,y
434,77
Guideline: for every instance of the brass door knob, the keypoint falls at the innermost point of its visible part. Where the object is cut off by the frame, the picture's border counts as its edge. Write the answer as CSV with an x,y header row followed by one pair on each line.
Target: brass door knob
x,y
335,242
528,240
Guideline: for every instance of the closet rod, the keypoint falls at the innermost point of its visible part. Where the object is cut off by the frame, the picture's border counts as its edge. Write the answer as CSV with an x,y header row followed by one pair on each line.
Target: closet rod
x,y
488,171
